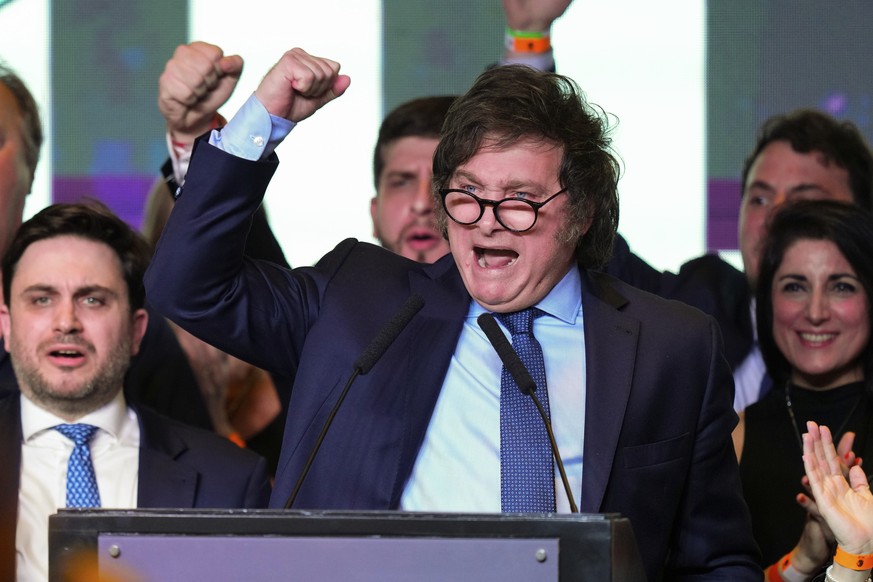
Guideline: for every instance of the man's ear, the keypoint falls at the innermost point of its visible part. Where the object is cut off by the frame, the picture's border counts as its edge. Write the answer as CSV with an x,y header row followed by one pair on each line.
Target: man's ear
x,y
139,323
4,324
586,226
374,208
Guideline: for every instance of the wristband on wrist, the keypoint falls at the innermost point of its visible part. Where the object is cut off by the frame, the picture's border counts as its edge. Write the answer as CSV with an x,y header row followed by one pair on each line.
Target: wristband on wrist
x,y
784,571
523,41
853,561
236,439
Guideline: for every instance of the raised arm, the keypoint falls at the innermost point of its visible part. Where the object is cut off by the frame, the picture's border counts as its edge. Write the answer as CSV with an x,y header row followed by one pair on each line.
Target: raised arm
x,y
200,277
528,31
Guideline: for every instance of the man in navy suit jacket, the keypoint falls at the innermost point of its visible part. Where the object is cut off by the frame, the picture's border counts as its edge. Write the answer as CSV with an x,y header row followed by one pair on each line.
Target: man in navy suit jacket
x,y
73,318
639,391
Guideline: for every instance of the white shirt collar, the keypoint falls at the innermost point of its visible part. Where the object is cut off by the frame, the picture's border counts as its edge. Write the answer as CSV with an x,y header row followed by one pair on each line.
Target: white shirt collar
x,y
110,418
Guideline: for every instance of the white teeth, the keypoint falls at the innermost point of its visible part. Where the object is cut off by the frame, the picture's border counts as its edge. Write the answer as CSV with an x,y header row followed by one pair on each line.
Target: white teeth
x,y
816,337
483,262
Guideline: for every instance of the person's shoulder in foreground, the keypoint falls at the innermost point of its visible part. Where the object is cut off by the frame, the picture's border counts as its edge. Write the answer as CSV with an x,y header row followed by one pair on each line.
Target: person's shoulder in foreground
x,y
224,475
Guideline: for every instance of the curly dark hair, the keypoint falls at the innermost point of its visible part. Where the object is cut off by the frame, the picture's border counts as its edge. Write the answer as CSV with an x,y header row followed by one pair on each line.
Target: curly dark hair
x,y
515,102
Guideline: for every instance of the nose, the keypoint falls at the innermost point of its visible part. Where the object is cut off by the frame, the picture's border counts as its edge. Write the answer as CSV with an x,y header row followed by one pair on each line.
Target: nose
x,y
66,318
488,223
422,202
818,308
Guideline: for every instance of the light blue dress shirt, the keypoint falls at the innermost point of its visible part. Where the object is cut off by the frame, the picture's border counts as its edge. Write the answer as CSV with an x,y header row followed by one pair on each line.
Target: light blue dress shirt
x,y
458,465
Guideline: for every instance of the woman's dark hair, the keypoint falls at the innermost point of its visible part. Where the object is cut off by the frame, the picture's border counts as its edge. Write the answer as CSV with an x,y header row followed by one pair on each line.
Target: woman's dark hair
x,y
841,223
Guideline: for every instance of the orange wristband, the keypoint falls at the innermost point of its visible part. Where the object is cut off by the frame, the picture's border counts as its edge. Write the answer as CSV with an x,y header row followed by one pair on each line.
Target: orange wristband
x,y
774,572
528,42
784,571
236,439
857,562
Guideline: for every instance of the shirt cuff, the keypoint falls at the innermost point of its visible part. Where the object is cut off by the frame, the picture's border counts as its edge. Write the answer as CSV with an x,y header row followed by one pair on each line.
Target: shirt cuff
x,y
253,133
180,155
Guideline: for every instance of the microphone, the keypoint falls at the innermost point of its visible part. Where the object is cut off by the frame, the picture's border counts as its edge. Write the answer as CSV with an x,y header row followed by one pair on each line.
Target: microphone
x,y
526,384
386,336
365,362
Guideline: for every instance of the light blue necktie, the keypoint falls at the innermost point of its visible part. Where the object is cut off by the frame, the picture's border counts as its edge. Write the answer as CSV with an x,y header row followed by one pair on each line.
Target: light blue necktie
x,y
527,481
81,481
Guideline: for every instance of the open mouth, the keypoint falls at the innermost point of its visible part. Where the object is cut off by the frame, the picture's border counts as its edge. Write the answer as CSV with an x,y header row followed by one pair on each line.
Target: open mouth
x,y
67,356
817,338
494,258
422,238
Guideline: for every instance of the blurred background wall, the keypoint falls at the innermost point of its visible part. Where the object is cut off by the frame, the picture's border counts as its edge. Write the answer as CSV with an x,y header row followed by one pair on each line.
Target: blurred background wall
x,y
687,82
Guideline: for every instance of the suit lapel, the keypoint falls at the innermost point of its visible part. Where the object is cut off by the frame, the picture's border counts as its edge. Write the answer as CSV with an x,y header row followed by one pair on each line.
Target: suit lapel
x,y
163,482
10,461
610,340
610,353
436,332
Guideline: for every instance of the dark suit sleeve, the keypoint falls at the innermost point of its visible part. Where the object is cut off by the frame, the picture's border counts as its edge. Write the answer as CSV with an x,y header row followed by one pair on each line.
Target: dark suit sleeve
x,y
201,278
261,243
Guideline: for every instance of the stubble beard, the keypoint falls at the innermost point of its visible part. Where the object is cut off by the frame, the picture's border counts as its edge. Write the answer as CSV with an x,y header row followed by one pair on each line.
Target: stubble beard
x,y
74,401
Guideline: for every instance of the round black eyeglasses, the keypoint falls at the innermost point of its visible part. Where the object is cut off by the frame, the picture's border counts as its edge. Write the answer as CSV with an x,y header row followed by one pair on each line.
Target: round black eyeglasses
x,y
515,214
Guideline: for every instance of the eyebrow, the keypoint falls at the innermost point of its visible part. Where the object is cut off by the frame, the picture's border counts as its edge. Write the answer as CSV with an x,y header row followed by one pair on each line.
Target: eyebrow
x,y
400,173
79,292
91,289
832,277
467,176
802,187
512,184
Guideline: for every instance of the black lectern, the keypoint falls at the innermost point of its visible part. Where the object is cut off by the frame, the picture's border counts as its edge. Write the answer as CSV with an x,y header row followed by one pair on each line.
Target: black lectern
x,y
349,546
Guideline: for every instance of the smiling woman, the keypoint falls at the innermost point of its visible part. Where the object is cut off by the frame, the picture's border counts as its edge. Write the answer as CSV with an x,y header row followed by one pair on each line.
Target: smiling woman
x,y
814,320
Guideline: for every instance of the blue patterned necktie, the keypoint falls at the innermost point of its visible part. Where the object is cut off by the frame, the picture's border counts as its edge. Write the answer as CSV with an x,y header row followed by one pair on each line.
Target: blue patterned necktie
x,y
81,481
527,482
